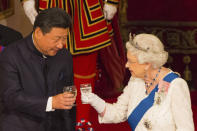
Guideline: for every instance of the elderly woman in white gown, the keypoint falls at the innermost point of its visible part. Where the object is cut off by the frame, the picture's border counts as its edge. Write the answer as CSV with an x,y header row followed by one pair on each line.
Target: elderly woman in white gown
x,y
156,98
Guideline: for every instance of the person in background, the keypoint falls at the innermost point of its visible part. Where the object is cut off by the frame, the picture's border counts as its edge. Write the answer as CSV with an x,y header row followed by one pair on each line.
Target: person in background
x,y
94,37
156,98
8,36
33,72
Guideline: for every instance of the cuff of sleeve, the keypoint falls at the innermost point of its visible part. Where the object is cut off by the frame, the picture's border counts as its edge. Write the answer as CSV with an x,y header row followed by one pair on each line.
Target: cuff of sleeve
x,y
49,105
107,116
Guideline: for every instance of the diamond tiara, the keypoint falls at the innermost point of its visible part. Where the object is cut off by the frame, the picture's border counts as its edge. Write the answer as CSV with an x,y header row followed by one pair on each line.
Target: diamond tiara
x,y
131,37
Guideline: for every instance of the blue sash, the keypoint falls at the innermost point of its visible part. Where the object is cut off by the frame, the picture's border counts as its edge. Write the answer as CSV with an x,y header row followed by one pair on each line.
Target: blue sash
x,y
146,103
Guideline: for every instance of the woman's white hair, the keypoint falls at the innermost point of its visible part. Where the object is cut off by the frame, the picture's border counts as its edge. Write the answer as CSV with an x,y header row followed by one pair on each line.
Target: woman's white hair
x,y
148,49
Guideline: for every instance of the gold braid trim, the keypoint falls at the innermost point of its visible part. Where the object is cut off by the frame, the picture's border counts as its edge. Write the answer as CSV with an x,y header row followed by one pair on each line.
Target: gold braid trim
x,y
112,2
84,77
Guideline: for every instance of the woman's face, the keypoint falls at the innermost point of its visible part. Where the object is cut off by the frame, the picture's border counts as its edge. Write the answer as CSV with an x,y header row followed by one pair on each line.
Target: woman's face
x,y
136,69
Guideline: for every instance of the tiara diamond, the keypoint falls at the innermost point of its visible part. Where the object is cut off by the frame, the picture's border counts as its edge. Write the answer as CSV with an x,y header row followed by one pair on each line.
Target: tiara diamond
x,y
135,44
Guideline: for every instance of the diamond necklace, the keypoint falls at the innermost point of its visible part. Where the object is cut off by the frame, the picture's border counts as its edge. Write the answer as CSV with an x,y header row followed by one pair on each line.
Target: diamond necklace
x,y
154,79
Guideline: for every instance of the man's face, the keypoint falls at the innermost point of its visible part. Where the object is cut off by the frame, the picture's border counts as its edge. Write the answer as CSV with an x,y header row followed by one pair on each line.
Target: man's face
x,y
50,43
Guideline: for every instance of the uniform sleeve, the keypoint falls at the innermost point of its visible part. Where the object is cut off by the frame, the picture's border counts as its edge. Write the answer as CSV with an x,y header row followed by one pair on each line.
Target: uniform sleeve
x,y
181,105
117,112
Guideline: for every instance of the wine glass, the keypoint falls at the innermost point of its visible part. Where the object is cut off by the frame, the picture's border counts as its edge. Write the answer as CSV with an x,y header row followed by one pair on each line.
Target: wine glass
x,y
71,89
85,88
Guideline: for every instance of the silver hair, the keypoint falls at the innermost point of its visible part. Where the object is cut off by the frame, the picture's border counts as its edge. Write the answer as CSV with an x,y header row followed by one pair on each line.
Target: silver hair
x,y
148,49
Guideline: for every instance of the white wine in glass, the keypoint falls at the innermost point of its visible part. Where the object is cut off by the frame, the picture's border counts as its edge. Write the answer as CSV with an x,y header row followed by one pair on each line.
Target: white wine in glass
x,y
85,88
71,89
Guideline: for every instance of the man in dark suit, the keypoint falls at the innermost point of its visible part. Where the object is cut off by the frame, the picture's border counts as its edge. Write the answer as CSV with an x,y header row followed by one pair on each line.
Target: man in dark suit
x,y
8,36
33,72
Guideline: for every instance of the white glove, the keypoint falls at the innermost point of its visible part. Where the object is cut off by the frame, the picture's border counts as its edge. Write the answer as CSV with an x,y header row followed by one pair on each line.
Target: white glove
x,y
94,101
30,11
109,11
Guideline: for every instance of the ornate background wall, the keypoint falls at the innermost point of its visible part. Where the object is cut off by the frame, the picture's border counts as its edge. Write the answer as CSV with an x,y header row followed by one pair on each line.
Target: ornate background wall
x,y
174,22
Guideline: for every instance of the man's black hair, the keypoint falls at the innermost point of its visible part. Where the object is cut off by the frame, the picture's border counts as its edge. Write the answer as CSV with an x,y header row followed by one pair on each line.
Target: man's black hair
x,y
50,18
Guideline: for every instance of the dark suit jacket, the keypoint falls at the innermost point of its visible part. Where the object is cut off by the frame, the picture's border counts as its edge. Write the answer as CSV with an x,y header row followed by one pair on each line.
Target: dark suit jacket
x,y
25,88
8,35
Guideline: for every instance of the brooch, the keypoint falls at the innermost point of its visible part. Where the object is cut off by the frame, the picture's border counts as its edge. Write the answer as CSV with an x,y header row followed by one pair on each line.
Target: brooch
x,y
147,124
163,86
159,96
162,92
158,100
